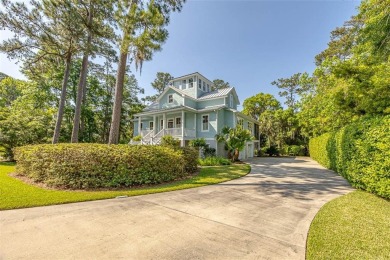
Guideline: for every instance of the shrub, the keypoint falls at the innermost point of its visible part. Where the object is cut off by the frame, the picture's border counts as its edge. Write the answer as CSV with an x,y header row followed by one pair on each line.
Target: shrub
x,y
209,152
198,142
79,166
360,152
214,161
137,138
168,140
190,156
273,150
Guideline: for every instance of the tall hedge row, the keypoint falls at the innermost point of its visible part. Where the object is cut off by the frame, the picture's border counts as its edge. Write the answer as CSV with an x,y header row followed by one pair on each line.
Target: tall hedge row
x,y
81,166
360,152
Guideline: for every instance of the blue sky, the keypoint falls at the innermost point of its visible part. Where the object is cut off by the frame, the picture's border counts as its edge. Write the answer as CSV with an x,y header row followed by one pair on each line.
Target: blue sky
x,y
247,43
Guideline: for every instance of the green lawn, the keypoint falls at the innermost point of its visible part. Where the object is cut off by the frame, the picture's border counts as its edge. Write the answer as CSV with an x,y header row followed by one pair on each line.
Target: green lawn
x,y
354,226
17,194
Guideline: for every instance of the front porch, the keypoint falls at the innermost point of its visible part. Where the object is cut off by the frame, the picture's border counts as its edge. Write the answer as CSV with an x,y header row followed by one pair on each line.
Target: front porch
x,y
179,124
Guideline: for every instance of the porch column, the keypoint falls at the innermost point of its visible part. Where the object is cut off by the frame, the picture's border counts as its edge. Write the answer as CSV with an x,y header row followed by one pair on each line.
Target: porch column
x,y
164,121
182,128
139,125
216,130
154,125
195,124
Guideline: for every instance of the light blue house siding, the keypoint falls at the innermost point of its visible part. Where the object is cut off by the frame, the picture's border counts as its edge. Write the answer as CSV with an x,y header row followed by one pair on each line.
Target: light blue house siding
x,y
194,102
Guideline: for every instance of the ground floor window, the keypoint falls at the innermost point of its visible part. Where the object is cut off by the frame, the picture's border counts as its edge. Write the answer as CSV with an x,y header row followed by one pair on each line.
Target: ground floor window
x,y
151,125
205,122
178,122
170,123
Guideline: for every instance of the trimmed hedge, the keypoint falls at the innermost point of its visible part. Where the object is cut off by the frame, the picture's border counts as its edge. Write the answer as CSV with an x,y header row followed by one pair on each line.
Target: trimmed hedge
x,y
360,152
85,166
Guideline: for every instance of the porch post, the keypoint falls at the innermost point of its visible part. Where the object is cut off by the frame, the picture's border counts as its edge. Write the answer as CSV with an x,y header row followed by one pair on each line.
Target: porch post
x,y
139,125
154,125
164,121
182,128
216,130
195,123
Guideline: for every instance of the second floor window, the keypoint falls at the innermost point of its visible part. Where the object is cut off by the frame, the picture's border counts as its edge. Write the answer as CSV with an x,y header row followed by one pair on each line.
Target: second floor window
x,y
204,86
240,122
200,84
170,98
184,84
205,123
208,88
191,83
231,100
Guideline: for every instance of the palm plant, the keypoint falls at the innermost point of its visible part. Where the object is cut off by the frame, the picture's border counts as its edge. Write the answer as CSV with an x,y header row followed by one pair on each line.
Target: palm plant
x,y
234,139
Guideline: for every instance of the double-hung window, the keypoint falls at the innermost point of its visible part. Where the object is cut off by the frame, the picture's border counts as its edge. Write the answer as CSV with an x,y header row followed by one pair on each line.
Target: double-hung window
x,y
205,123
170,98
231,100
200,84
151,125
178,122
184,84
204,86
190,83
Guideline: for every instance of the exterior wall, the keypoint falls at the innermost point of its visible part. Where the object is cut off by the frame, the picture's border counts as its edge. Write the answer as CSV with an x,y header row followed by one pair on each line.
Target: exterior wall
x,y
189,120
210,103
190,103
177,99
212,125
229,118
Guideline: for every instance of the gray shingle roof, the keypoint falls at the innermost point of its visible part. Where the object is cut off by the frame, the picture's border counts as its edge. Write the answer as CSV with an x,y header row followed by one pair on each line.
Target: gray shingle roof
x,y
215,93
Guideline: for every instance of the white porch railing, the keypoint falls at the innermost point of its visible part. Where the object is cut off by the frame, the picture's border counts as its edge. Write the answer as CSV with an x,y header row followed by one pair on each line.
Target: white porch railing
x,y
149,138
173,131
189,132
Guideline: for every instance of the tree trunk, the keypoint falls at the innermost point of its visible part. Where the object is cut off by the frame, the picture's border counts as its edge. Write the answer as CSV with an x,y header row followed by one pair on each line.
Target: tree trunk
x,y
77,112
117,108
82,86
61,106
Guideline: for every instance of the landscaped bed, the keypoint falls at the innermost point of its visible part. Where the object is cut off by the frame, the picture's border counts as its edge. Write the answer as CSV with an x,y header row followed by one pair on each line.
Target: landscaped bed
x,y
18,194
354,226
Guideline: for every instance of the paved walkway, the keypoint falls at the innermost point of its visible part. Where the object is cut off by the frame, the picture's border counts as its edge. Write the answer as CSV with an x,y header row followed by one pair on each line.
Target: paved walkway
x,y
265,215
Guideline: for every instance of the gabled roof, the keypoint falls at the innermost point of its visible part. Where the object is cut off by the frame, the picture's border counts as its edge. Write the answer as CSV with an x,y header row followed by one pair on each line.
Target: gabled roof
x,y
175,89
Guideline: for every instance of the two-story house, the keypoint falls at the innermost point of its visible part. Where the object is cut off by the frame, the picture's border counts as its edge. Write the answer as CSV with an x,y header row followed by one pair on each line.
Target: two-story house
x,y
188,109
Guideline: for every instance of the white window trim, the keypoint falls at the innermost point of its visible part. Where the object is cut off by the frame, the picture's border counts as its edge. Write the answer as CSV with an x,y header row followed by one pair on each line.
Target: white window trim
x,y
162,125
181,121
208,119
168,122
170,95
190,84
149,125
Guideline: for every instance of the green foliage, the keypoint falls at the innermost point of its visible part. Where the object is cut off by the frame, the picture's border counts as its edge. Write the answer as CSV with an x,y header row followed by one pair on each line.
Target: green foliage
x,y
214,161
256,105
234,139
23,118
18,194
272,150
209,151
198,142
168,140
161,81
293,150
360,152
83,166
354,226
137,138
190,156
219,84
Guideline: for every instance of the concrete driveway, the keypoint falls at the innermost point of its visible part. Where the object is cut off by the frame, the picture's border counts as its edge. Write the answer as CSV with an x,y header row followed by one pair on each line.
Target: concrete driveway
x,y
265,215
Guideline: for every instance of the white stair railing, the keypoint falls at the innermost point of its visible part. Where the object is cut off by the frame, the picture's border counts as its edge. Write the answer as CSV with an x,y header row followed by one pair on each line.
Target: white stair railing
x,y
157,138
147,138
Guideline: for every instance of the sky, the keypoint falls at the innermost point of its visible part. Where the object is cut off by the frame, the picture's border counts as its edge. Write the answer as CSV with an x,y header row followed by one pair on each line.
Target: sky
x,y
246,43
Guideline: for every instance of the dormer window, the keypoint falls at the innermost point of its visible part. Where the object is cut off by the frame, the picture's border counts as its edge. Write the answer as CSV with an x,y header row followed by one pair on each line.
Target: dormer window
x,y
170,98
191,83
200,84
231,100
